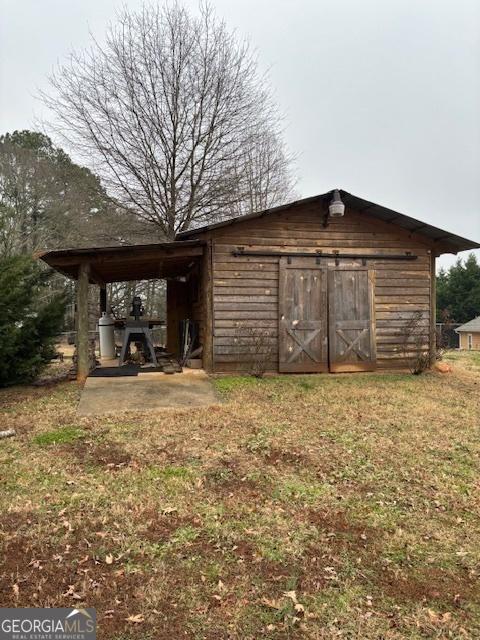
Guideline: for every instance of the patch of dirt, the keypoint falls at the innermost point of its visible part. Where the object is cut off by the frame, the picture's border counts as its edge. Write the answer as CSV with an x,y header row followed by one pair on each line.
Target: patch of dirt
x,y
339,537
286,456
244,550
63,571
226,477
105,454
12,396
337,525
160,528
430,585
233,486
18,522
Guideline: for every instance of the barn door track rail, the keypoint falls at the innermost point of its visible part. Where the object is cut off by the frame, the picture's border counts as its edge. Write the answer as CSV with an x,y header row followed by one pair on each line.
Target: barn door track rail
x,y
337,255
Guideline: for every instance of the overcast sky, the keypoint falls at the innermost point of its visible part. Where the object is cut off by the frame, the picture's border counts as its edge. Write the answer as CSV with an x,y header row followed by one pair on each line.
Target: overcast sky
x,y
381,98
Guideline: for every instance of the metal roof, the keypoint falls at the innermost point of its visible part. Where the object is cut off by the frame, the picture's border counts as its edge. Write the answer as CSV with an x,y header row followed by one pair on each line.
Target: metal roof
x,y
473,325
127,262
450,241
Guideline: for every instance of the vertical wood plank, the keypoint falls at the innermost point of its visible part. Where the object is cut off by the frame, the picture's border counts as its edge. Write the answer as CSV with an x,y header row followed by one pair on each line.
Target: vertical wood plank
x,y
207,288
82,323
352,343
302,322
282,292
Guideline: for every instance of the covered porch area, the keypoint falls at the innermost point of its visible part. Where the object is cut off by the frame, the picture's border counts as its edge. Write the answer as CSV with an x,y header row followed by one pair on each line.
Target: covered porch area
x,y
183,265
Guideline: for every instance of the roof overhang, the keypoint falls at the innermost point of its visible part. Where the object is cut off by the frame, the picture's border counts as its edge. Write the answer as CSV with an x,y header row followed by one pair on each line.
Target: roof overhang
x,y
445,241
473,326
123,263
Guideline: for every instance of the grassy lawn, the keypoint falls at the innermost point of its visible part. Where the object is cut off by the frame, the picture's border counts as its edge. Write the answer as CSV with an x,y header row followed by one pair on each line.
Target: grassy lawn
x,y
303,506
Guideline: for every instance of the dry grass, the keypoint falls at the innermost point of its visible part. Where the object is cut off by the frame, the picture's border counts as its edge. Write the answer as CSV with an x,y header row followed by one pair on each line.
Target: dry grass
x,y
310,506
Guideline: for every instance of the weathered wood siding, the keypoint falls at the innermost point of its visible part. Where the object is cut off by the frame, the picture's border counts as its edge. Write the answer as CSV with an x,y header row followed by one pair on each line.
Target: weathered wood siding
x,y
245,289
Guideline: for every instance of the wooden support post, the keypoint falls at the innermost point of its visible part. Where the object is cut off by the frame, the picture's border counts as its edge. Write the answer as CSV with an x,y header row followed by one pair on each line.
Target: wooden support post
x,y
207,306
103,299
433,310
83,368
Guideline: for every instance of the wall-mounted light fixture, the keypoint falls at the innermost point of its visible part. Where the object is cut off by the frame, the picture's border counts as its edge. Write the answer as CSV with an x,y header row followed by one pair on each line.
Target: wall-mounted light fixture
x,y
336,208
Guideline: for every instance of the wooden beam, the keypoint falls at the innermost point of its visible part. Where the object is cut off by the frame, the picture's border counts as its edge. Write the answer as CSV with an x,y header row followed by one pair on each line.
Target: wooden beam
x,y
83,368
124,255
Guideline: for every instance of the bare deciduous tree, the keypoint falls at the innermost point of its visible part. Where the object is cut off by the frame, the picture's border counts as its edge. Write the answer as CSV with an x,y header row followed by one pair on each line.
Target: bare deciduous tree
x,y
173,115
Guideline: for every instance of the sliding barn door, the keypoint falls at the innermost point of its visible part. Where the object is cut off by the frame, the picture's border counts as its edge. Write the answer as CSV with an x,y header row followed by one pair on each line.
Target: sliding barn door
x,y
351,320
303,343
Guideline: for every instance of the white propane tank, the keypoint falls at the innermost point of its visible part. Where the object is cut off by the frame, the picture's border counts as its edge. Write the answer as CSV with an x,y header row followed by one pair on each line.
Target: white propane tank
x,y
106,327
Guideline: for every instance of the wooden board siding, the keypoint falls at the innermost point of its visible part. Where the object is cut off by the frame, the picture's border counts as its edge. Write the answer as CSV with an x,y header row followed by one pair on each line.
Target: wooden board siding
x,y
303,316
352,344
245,288
463,335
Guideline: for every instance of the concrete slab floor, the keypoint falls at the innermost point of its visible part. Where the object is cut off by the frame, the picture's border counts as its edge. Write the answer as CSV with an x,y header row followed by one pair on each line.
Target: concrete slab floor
x,y
147,392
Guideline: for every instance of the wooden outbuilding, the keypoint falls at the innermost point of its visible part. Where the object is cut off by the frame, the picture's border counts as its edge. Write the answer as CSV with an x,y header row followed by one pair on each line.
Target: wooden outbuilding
x,y
297,288
469,335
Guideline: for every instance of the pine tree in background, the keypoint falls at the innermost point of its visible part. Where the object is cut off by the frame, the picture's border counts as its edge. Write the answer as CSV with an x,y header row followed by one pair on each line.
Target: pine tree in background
x,y
458,291
30,319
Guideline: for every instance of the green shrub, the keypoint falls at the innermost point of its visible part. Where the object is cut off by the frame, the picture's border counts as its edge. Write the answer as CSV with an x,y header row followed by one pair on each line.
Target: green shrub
x,y
30,319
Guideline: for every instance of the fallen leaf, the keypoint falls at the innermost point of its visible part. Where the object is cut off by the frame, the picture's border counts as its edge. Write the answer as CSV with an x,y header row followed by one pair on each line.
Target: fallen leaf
x,y
136,619
67,525
72,593
272,604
